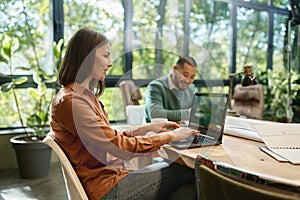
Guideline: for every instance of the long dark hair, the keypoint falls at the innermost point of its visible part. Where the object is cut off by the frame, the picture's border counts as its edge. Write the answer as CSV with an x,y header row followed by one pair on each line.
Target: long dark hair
x,y
79,58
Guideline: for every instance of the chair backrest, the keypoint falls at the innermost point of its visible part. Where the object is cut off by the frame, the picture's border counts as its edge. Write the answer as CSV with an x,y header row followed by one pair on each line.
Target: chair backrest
x,y
74,188
130,92
222,181
135,113
249,100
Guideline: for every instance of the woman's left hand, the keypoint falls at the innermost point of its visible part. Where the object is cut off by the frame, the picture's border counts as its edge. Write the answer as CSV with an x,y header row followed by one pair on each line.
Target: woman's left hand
x,y
154,127
162,126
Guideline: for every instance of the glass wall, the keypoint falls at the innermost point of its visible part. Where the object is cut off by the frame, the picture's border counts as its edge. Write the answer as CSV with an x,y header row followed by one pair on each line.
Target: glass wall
x,y
106,17
252,39
279,42
157,37
147,38
29,25
210,38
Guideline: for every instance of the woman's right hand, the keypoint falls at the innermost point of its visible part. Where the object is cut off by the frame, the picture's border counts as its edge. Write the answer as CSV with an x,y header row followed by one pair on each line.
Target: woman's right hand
x,y
183,133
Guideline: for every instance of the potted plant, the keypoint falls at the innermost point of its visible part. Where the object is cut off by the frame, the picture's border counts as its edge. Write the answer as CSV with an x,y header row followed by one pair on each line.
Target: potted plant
x,y
276,101
33,157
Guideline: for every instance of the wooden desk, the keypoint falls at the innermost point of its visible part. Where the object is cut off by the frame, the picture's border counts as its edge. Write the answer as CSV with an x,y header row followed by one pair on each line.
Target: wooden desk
x,y
241,153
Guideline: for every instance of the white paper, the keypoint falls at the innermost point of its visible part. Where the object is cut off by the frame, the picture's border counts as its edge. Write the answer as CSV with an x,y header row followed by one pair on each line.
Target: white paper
x,y
274,155
243,127
243,133
283,139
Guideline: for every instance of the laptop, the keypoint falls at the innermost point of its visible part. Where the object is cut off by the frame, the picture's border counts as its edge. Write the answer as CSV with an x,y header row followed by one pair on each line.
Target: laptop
x,y
208,113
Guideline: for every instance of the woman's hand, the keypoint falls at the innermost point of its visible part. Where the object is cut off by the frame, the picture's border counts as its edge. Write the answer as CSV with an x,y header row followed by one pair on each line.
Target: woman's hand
x,y
154,127
170,124
159,127
183,133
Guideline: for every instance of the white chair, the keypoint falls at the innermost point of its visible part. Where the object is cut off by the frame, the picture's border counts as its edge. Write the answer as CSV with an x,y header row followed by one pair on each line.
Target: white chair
x,y
74,188
135,113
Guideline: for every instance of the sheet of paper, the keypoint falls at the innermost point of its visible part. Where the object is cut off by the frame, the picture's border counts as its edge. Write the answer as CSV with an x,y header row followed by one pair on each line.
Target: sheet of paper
x,y
290,154
243,127
243,133
283,139
274,155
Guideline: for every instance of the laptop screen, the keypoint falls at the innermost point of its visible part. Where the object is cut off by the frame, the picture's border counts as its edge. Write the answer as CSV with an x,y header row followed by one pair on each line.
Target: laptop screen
x,y
208,114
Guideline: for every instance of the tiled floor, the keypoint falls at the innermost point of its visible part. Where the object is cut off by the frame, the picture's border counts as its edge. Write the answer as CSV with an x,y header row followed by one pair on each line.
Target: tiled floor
x,y
51,187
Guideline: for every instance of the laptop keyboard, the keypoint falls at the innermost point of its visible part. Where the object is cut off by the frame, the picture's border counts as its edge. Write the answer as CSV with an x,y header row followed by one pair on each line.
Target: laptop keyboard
x,y
199,139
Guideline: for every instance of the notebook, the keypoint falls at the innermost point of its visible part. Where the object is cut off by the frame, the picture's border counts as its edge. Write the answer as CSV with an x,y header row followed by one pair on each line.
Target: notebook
x,y
208,113
281,139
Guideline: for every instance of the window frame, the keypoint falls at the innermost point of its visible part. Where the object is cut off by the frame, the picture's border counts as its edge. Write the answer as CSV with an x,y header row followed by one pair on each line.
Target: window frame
x,y
112,81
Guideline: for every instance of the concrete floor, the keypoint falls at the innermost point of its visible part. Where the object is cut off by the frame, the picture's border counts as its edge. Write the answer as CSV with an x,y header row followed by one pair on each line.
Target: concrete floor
x,y
51,187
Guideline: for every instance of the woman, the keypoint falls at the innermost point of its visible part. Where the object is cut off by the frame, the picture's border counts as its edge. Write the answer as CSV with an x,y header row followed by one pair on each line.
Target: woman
x,y
81,127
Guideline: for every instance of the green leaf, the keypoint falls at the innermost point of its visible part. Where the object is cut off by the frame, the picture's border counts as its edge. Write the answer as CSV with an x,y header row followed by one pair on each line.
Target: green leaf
x,y
36,78
7,86
34,93
285,82
15,45
10,45
6,43
43,116
56,52
57,48
52,79
33,120
42,88
20,80
23,68
4,60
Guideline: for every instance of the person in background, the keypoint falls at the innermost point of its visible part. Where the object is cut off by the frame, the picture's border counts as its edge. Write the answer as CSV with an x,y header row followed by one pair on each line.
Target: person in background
x,y
80,125
171,96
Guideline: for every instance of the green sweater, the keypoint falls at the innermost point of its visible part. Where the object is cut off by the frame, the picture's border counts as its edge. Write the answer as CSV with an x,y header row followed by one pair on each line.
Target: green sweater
x,y
161,102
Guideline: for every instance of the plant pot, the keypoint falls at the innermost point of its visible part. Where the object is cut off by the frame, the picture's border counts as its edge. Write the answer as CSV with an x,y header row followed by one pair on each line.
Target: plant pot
x,y
33,157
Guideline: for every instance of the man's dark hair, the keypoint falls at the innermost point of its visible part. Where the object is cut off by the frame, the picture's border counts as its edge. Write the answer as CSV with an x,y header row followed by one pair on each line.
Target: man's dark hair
x,y
186,59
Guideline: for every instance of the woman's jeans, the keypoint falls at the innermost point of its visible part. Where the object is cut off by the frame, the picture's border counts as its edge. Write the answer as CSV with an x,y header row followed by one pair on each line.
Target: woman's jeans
x,y
157,181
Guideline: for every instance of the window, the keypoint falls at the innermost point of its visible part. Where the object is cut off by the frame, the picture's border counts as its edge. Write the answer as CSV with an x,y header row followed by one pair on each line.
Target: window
x,y
210,34
30,22
222,35
106,17
280,33
252,39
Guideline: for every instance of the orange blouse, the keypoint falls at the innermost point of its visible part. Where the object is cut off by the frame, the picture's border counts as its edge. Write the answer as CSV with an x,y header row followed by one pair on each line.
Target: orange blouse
x,y
96,151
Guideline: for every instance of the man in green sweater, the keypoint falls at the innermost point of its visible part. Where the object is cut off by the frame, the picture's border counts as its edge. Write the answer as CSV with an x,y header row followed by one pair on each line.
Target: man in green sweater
x,y
171,96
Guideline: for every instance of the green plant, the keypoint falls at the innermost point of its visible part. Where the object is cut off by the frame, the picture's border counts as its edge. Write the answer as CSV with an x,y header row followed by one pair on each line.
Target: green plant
x,y
9,46
38,119
276,101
